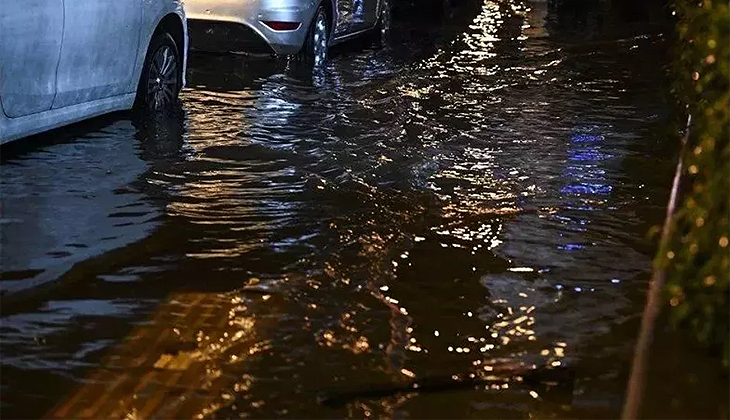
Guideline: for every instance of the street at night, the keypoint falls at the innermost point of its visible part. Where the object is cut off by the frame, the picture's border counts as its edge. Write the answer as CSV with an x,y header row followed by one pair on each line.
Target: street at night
x,y
478,197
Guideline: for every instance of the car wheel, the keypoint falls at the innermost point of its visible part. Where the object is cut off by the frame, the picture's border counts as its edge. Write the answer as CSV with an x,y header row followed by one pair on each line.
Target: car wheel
x,y
314,50
161,78
381,33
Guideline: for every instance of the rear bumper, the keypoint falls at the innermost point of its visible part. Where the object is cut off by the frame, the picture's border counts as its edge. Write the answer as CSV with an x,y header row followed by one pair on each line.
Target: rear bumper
x,y
237,25
216,36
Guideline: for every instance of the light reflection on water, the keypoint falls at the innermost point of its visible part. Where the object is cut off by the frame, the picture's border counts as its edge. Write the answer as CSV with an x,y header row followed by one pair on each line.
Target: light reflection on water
x,y
424,210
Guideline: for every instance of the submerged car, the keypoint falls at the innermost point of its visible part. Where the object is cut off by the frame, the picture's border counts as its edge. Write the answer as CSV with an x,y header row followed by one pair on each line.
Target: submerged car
x,y
65,61
301,28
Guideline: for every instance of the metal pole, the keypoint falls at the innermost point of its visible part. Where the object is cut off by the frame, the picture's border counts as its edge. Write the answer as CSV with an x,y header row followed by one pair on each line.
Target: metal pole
x,y
653,303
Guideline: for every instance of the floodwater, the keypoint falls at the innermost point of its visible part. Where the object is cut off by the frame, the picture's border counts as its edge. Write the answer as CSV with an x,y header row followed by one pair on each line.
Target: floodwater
x,y
478,194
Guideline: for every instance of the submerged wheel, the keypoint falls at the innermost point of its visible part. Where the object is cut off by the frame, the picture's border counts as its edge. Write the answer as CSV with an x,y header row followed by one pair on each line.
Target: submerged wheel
x,y
381,33
314,50
161,78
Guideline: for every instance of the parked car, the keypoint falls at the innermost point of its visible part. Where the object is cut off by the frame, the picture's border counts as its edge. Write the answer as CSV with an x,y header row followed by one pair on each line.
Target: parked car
x,y
65,61
304,28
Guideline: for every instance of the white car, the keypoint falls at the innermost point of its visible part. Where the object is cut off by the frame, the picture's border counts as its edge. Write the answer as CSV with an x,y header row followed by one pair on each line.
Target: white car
x,y
63,61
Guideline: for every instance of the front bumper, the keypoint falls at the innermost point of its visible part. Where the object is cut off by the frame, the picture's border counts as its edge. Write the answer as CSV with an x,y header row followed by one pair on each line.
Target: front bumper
x,y
237,25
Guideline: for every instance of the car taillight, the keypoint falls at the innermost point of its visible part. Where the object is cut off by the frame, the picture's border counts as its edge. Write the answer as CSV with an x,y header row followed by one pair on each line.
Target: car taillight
x,y
283,26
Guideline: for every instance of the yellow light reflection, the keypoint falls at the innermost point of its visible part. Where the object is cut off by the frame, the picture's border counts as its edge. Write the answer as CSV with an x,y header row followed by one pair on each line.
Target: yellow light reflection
x,y
179,347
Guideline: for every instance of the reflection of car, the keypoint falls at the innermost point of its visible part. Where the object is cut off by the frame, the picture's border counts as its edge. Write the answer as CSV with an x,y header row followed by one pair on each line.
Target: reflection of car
x,y
284,27
64,61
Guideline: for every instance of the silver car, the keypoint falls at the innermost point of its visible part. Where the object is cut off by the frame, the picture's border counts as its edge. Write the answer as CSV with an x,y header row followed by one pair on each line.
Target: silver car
x,y
62,61
305,28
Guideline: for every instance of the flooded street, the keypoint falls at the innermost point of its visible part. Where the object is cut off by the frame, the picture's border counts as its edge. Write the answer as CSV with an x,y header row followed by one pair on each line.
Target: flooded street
x,y
480,193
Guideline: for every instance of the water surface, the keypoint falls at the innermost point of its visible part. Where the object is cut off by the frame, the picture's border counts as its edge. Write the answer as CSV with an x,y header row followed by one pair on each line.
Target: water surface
x,y
479,193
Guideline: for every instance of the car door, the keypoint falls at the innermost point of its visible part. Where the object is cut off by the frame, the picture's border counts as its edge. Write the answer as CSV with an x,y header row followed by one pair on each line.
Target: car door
x,y
100,42
344,17
30,43
371,12
364,14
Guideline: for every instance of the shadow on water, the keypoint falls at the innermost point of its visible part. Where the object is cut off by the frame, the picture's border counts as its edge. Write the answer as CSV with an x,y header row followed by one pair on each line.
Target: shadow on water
x,y
474,196
71,200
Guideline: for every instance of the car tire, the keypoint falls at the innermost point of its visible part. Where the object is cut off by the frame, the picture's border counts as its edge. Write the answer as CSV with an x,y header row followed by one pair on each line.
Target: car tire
x,y
314,51
381,32
161,78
